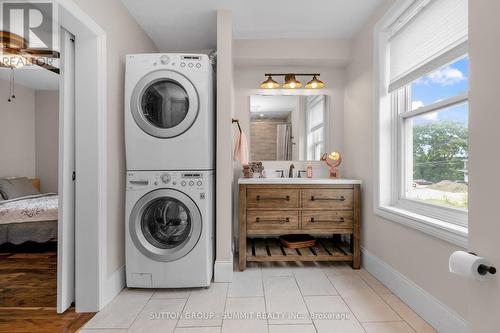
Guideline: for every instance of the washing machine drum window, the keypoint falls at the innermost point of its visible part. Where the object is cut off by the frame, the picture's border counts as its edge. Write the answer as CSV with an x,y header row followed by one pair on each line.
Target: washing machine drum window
x,y
164,104
165,224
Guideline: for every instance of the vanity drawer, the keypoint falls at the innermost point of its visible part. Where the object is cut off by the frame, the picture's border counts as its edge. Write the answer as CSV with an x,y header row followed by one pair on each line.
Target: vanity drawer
x,y
325,198
318,220
272,198
272,220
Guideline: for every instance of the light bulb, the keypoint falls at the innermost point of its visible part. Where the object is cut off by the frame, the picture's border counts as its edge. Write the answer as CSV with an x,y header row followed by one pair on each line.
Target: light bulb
x,y
292,85
270,85
314,85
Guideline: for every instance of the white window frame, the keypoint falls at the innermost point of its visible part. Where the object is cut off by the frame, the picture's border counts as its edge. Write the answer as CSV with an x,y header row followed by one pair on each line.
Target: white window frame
x,y
311,146
389,165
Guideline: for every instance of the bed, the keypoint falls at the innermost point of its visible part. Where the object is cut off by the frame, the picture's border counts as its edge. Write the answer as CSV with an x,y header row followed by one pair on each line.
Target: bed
x,y
30,217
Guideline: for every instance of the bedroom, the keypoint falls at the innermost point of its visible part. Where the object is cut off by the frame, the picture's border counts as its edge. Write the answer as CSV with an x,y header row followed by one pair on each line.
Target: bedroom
x,y
29,132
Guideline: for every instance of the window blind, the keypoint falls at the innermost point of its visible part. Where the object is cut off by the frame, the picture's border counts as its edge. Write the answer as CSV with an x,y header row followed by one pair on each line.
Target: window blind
x,y
422,35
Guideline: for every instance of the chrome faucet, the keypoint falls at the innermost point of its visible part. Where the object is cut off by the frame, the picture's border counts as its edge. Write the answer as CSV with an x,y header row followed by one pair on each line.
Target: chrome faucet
x,y
290,171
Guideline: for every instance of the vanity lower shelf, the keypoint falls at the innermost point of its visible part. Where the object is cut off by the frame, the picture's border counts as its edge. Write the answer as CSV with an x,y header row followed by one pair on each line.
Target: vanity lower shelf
x,y
270,249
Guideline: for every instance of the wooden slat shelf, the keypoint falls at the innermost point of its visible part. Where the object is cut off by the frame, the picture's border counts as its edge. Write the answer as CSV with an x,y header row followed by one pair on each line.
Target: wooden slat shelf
x,y
270,249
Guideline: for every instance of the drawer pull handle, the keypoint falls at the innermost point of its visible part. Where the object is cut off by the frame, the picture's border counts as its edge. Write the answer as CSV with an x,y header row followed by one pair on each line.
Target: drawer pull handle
x,y
259,198
341,198
283,221
340,220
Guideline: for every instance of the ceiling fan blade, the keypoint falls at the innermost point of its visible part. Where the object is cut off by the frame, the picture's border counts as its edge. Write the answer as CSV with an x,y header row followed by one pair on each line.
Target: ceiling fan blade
x,y
33,60
42,53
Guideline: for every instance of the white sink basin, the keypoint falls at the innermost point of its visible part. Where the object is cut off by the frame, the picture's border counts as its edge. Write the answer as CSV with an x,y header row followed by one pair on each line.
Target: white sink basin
x,y
339,181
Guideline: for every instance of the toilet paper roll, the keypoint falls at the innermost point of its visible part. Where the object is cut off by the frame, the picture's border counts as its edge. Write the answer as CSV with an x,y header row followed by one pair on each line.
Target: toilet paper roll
x,y
467,264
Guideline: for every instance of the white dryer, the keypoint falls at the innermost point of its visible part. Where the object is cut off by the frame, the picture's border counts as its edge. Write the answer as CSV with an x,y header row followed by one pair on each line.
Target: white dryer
x,y
169,112
169,238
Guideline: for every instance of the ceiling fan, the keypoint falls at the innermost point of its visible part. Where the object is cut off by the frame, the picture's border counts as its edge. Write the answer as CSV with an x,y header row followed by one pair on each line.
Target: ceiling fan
x,y
14,53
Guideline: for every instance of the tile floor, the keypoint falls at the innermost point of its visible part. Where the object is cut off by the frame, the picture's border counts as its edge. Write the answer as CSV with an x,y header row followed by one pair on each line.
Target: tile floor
x,y
267,298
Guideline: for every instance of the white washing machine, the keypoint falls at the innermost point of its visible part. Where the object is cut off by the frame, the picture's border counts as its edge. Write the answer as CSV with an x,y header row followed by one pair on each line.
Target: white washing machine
x,y
169,112
169,237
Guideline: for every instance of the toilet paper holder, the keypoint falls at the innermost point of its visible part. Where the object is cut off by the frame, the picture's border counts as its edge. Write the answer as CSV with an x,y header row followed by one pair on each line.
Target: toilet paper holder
x,y
485,269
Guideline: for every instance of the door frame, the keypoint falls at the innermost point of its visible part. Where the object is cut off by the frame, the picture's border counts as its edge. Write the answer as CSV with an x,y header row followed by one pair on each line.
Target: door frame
x,y
92,290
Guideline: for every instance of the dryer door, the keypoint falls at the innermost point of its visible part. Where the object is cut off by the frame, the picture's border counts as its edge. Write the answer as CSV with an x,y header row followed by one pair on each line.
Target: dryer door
x,y
164,104
165,225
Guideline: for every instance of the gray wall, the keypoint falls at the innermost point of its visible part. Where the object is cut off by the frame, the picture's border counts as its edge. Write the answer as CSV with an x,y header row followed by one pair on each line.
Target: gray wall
x,y
17,132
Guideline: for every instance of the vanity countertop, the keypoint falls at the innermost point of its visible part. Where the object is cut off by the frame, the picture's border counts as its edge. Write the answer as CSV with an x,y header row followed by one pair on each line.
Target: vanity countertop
x,y
276,180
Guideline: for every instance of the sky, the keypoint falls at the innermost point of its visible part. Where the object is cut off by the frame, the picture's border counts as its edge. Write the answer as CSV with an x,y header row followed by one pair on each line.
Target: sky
x,y
446,82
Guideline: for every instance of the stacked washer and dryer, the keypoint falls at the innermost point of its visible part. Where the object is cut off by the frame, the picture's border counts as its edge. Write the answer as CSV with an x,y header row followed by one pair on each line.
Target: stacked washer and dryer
x,y
170,160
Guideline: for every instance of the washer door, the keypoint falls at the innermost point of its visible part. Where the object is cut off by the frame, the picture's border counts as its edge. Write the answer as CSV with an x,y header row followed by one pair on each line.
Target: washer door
x,y
165,225
164,104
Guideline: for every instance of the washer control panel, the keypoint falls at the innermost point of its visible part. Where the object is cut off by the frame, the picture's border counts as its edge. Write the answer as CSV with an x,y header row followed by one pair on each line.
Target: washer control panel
x,y
164,179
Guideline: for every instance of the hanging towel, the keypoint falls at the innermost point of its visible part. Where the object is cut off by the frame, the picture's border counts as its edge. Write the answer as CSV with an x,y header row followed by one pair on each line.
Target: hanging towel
x,y
241,149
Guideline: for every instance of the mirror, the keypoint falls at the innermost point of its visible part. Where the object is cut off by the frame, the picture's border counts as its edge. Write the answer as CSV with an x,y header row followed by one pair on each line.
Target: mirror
x,y
288,128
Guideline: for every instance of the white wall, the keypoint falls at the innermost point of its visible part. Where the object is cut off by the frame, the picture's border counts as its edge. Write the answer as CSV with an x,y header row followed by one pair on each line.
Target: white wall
x,y
123,36
47,139
17,132
421,258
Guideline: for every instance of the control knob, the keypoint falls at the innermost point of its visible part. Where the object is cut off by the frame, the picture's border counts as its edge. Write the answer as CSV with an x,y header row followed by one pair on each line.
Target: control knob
x,y
165,178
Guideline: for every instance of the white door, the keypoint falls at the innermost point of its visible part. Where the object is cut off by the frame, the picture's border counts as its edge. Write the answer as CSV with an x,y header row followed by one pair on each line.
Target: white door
x,y
66,228
484,161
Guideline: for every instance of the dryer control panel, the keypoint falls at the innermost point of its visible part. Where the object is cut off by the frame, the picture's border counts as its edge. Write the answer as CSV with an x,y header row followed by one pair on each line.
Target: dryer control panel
x,y
164,179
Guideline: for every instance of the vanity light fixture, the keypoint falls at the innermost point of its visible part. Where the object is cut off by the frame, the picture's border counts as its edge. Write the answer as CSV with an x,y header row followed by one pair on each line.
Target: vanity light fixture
x,y
269,83
291,82
315,83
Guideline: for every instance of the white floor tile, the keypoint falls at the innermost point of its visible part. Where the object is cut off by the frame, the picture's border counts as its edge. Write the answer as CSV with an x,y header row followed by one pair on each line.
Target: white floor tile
x,y
313,282
388,327
122,311
367,306
253,307
292,329
413,319
246,284
109,330
331,314
158,316
375,284
338,268
207,305
284,301
277,269
346,284
172,293
197,330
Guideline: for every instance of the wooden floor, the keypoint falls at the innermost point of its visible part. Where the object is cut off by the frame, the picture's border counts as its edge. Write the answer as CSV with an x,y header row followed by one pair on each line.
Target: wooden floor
x,y
28,294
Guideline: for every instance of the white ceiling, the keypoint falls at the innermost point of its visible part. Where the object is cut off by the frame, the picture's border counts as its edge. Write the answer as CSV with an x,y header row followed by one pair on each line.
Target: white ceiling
x,y
191,24
33,77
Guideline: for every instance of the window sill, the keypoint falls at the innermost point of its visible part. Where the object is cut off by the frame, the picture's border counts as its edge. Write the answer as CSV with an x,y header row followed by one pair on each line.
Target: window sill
x,y
451,233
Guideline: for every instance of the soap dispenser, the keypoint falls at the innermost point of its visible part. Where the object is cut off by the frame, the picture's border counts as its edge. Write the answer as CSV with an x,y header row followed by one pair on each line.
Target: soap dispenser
x,y
309,169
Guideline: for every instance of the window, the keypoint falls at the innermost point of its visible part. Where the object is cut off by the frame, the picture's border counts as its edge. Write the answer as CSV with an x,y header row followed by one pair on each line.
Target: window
x,y
422,163
315,127
434,128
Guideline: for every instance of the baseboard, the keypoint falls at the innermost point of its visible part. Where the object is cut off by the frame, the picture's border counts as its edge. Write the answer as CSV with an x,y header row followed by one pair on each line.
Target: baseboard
x,y
223,271
441,317
114,284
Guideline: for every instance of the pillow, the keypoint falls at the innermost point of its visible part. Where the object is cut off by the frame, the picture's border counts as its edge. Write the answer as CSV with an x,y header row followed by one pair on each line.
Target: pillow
x,y
12,188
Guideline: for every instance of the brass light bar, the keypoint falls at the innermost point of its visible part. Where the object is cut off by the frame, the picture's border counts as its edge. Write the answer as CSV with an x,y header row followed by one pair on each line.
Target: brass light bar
x,y
291,82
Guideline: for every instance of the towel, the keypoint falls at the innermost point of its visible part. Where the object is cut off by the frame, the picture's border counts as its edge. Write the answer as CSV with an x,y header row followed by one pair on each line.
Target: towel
x,y
241,149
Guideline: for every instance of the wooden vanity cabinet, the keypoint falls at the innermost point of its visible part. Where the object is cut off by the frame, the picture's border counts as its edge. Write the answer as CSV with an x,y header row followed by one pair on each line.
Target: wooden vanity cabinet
x,y
324,211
